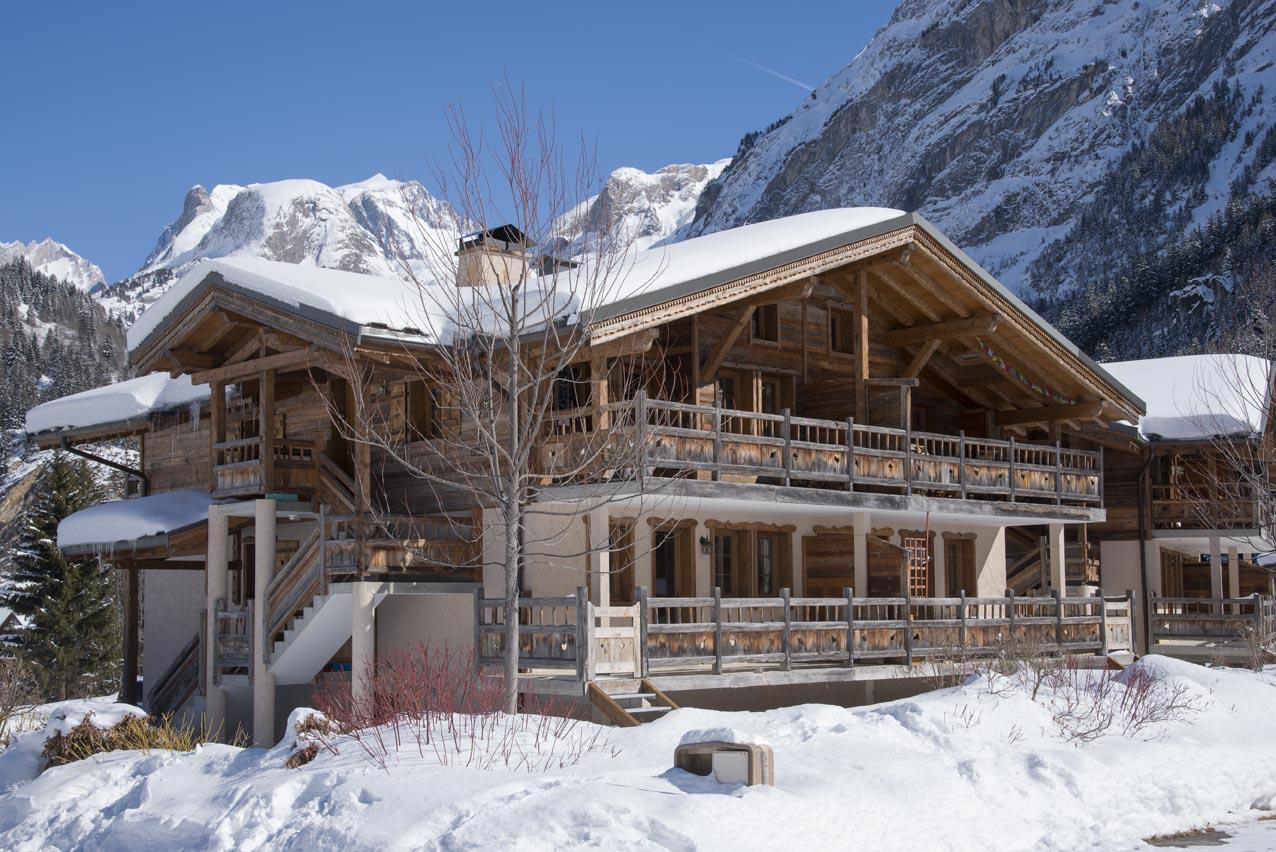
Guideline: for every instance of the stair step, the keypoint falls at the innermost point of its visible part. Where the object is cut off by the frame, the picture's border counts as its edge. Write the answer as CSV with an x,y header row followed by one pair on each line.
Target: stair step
x,y
632,696
657,709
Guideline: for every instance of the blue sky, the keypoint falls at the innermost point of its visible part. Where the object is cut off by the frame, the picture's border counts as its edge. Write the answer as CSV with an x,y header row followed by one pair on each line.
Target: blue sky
x,y
114,110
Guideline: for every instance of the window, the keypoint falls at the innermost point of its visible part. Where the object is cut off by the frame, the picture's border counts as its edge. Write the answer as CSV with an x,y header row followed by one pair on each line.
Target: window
x,y
842,331
571,387
724,557
766,323
767,547
422,412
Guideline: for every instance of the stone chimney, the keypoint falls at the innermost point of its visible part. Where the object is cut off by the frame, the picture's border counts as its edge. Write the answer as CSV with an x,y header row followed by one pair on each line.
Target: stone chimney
x,y
495,256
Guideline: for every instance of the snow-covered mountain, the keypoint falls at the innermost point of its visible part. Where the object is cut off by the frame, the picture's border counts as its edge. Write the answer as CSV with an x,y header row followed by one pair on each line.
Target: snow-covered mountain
x,y
640,209
54,259
379,226
1003,121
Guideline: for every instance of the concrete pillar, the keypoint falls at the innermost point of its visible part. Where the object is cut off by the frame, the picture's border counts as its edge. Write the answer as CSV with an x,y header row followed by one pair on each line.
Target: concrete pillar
x,y
216,576
263,569
1233,572
1058,560
798,586
598,558
703,561
1152,556
939,560
863,529
1216,567
363,642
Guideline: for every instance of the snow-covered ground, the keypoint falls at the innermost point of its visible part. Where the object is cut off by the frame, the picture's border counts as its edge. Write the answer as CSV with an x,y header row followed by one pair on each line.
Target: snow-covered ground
x,y
963,768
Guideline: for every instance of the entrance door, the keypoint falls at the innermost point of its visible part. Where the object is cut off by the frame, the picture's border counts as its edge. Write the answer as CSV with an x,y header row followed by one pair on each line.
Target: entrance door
x,y
1171,574
828,565
672,568
959,560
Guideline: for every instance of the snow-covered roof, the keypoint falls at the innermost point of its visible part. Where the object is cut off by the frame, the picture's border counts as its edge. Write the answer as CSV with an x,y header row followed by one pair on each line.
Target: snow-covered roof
x,y
366,301
121,523
1197,397
122,401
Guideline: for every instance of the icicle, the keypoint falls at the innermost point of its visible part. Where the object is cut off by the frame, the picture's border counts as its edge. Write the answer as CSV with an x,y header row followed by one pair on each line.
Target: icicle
x,y
194,415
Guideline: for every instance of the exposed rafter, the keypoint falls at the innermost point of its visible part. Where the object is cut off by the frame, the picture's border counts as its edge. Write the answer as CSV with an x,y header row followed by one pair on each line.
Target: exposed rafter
x,y
1088,410
948,330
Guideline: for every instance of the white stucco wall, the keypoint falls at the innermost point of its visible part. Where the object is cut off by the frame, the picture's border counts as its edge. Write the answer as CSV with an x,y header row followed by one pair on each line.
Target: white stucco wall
x,y
171,604
406,622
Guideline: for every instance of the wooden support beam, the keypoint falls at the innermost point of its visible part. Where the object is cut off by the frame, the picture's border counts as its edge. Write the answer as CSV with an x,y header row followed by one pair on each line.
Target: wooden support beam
x,y
862,344
266,389
943,330
719,352
914,368
250,347
185,359
247,369
796,290
1088,410
220,324
217,432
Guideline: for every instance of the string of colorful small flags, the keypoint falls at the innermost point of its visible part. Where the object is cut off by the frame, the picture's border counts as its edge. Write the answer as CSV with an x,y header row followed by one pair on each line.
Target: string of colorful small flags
x,y
1000,363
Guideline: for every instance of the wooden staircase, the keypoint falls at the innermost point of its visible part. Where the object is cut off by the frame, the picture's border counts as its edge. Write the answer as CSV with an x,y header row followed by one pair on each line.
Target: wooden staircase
x,y
1029,572
628,703
177,685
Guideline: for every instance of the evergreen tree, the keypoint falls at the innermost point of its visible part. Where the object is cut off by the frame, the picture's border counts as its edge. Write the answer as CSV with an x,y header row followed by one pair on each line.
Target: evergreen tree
x,y
72,638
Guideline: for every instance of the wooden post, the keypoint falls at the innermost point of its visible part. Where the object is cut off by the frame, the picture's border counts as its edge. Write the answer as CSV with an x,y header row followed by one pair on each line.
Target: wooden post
x,y
598,373
1010,614
908,453
217,430
908,626
717,436
788,448
1101,480
582,634
640,424
1010,470
849,594
961,616
1103,622
1058,472
961,462
1129,597
643,622
850,454
266,389
1058,620
717,630
861,344
788,629
323,549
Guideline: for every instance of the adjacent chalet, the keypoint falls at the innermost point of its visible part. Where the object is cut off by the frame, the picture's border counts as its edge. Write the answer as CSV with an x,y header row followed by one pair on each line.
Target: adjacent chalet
x,y
857,451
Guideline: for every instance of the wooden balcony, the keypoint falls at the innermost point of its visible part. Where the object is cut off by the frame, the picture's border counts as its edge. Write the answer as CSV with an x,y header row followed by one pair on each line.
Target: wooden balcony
x,y
241,468
781,449
1212,621
1224,506
715,635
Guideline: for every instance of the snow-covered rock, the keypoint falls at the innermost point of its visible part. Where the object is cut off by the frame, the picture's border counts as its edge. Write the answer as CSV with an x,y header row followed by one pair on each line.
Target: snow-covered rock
x,y
56,260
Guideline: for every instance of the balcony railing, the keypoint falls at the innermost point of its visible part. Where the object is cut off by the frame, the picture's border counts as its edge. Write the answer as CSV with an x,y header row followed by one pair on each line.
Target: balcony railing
x,y
1229,505
782,449
715,635
239,467
1198,619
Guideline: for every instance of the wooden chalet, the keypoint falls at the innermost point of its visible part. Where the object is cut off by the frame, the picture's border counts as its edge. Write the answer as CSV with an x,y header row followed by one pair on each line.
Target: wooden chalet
x,y
853,431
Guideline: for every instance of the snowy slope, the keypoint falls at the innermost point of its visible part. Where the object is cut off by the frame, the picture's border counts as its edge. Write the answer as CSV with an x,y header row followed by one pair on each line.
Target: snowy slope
x,y
55,259
957,769
997,119
378,226
639,209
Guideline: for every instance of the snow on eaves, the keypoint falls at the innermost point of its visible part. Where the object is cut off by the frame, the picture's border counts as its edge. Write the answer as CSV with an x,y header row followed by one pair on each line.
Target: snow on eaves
x,y
127,400
388,304
122,522
1198,397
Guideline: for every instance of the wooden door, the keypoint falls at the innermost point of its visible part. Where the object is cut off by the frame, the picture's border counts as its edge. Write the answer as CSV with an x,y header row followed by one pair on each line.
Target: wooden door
x,y
620,578
828,564
1171,574
959,562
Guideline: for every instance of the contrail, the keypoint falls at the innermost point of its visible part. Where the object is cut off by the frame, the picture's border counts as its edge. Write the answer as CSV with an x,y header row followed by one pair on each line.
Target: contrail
x,y
771,71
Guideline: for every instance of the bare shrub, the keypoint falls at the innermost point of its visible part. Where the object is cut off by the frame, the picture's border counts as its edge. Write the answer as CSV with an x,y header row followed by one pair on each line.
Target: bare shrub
x,y
19,693
445,708
1260,648
134,733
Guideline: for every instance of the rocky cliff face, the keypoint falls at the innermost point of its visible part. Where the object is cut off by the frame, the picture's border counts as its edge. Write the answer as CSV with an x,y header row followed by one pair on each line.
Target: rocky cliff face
x,y
1001,121
51,258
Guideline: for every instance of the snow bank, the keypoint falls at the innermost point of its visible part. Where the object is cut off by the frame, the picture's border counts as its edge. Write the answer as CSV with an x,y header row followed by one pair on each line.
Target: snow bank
x,y
961,768
128,520
1194,397
721,735
125,400
367,300
24,758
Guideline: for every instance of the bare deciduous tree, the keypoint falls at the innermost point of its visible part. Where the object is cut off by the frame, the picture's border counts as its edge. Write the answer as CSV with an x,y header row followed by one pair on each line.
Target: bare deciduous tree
x,y
516,392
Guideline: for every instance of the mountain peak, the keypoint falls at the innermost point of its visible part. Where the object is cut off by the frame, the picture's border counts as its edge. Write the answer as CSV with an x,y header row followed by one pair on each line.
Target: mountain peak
x,y
54,259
